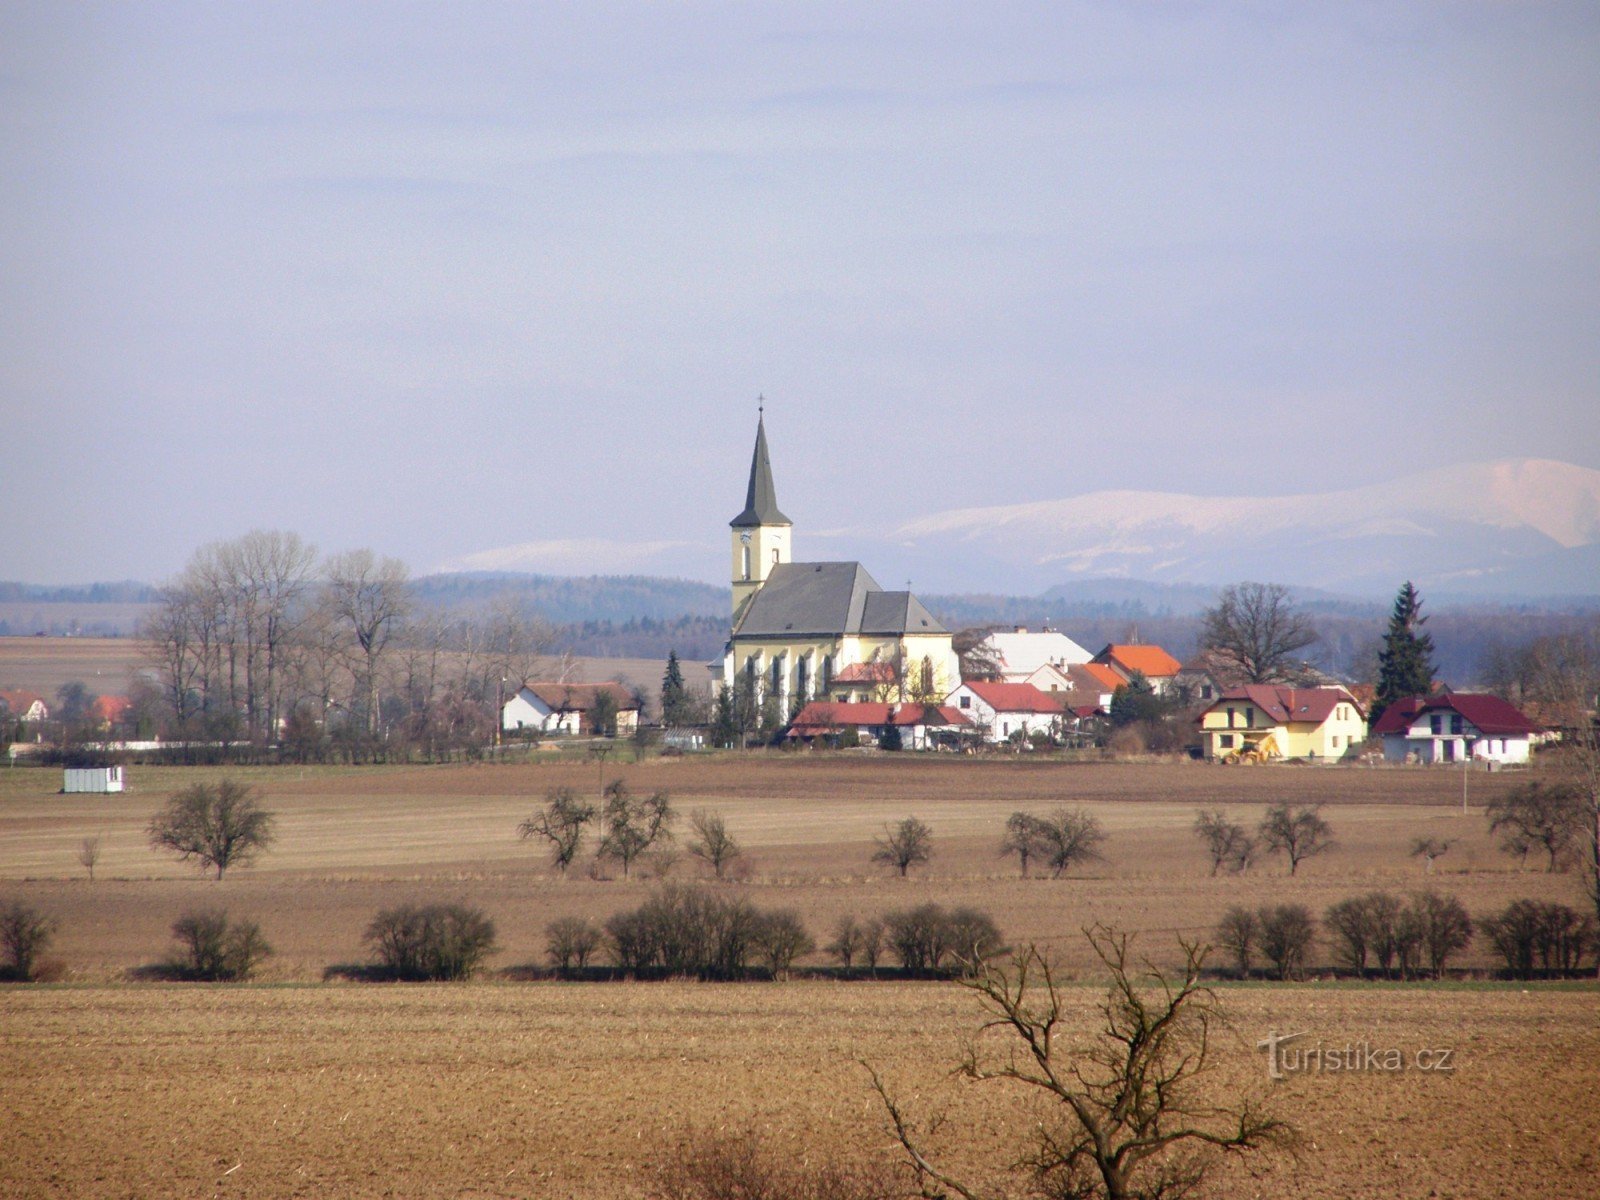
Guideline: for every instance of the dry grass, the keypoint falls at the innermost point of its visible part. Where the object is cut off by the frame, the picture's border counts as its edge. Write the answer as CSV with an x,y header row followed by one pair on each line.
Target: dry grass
x,y
504,1089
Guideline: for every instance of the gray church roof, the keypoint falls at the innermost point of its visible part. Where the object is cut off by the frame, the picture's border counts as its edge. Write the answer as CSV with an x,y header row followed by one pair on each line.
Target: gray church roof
x,y
761,498
829,599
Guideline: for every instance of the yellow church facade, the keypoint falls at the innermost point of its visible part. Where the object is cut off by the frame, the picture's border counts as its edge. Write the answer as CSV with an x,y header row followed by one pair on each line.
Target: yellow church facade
x,y
798,626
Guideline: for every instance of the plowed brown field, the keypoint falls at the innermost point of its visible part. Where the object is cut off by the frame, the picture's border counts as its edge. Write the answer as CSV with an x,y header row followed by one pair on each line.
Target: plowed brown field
x,y
293,1087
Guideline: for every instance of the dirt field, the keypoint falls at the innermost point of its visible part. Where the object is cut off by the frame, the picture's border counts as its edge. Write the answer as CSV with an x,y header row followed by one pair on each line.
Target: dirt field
x,y
513,1089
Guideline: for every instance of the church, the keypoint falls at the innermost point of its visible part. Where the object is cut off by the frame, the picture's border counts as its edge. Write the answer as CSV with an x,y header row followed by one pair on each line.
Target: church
x,y
800,629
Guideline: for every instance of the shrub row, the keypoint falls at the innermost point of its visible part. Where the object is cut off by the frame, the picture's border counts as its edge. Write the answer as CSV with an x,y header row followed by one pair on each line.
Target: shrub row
x,y
1380,933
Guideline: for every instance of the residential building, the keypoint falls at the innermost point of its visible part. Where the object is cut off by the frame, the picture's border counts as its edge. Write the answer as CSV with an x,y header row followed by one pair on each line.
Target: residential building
x,y
1454,727
1005,710
1283,722
797,626
1154,663
1021,652
921,726
567,708
25,706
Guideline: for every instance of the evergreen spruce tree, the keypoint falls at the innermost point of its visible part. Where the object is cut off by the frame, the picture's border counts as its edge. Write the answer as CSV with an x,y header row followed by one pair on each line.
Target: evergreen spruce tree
x,y
673,695
1405,665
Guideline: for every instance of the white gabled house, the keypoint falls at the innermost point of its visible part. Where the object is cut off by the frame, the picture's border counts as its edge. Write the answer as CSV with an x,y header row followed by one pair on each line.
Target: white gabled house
x,y
566,708
1004,710
1019,653
1455,727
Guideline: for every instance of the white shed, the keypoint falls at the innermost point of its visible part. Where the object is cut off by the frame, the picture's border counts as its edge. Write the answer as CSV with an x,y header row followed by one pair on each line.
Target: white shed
x,y
93,779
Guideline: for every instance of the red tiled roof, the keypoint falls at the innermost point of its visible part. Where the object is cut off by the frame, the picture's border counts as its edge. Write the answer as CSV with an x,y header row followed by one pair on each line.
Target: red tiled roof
x,y
1013,697
1488,714
1151,661
822,715
1287,704
20,701
1102,674
579,697
110,709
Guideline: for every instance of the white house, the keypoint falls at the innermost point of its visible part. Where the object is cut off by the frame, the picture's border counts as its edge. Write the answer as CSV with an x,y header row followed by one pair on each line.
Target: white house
x,y
1454,727
25,706
1020,653
565,708
1074,686
1004,710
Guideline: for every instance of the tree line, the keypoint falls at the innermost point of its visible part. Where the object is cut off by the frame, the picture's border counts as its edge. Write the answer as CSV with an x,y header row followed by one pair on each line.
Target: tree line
x,y
260,640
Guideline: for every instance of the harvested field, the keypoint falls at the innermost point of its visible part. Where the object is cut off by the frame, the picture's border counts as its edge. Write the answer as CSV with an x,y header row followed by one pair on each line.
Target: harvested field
x,y
294,1087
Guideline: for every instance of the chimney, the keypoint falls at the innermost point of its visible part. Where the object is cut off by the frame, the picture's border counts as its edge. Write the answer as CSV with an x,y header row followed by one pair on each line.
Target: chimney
x,y
1022,629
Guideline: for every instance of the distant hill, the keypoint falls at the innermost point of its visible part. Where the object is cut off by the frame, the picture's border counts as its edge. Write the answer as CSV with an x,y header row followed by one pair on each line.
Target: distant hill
x,y
567,598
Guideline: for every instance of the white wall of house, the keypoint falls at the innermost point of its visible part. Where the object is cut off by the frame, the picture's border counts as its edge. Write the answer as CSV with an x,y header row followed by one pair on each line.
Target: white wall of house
x,y
1021,653
1421,744
998,724
527,711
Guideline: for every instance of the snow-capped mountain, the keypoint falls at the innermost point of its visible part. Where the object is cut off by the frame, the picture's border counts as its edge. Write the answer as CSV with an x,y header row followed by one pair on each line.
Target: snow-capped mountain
x,y
1525,526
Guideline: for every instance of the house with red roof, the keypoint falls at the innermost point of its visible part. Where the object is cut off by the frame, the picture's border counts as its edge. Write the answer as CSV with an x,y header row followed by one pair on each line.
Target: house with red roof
x,y
1266,720
1453,727
1154,663
863,682
1006,710
24,706
567,708
1075,686
921,726
107,712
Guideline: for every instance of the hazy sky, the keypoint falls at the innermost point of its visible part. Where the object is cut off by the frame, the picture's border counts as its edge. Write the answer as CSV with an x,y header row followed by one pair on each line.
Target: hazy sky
x,y
434,279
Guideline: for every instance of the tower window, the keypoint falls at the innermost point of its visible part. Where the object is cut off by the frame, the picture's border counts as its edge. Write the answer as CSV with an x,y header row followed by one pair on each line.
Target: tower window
x,y
746,562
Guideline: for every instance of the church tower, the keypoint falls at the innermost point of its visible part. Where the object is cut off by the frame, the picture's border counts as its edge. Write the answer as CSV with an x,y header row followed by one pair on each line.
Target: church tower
x,y
761,531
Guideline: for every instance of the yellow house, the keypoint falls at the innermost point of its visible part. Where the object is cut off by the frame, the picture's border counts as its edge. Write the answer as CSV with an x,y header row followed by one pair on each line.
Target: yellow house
x,y
797,626
1283,722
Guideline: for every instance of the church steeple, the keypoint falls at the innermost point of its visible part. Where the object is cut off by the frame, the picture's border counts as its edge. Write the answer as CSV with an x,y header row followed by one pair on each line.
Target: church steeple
x,y
761,533
761,498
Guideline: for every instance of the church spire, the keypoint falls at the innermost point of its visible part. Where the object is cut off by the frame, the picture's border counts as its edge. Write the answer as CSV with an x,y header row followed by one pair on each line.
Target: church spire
x,y
761,498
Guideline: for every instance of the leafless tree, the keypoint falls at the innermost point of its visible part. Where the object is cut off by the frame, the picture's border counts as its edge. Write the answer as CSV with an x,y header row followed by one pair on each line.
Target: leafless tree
x,y
631,825
846,943
370,598
1254,632
221,825
571,941
1227,843
560,822
1536,814
1239,933
712,843
215,949
89,855
781,937
1068,837
1127,1116
1021,838
1298,830
1430,848
904,845
1287,933
24,934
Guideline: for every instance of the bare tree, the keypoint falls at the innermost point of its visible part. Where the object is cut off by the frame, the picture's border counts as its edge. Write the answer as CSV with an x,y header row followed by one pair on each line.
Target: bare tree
x,y
222,825
370,598
1533,814
560,822
1287,932
24,933
904,845
1430,848
571,941
215,949
846,944
1299,831
1021,838
1254,632
1239,933
1068,837
712,843
89,855
631,825
1227,843
1127,1115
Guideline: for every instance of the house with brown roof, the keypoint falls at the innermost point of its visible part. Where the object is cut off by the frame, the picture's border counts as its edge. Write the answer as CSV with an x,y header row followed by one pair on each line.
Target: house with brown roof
x,y
1263,720
920,726
1075,686
1006,710
567,708
1451,727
